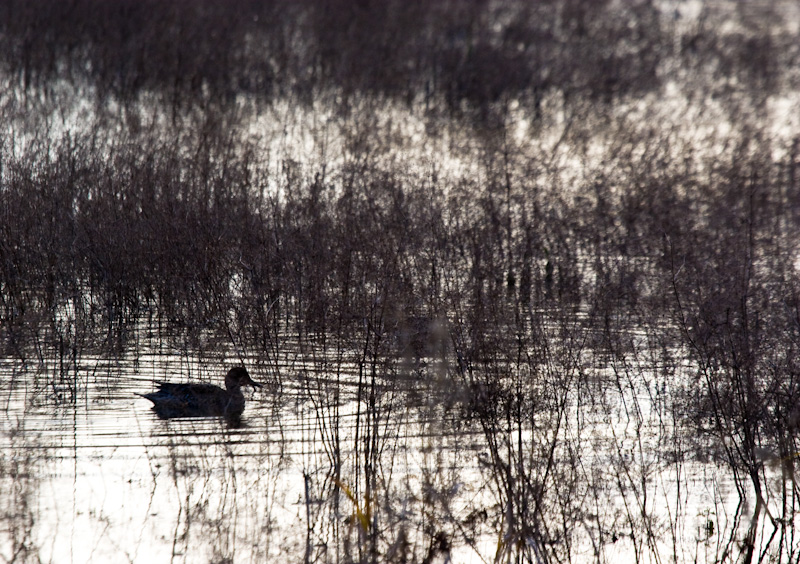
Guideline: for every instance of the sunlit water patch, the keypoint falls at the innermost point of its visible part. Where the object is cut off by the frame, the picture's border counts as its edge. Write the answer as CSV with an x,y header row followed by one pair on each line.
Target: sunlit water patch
x,y
101,478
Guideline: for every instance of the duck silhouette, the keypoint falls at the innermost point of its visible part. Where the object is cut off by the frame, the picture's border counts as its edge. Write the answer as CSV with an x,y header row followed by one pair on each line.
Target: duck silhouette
x,y
203,400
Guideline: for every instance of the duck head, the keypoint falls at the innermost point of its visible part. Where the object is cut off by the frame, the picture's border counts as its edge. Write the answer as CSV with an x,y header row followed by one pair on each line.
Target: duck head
x,y
238,377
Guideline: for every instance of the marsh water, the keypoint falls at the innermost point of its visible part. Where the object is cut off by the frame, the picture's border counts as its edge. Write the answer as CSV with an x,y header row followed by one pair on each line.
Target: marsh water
x,y
90,474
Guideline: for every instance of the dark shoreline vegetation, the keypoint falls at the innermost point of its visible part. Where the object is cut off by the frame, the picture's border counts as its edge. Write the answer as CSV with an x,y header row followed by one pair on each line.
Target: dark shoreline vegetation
x,y
591,238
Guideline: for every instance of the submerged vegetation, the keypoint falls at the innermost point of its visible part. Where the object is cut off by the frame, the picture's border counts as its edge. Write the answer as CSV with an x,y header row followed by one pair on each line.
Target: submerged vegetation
x,y
566,228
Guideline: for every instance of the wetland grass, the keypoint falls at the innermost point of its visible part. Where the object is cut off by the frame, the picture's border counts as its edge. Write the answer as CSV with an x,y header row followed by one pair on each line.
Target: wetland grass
x,y
516,275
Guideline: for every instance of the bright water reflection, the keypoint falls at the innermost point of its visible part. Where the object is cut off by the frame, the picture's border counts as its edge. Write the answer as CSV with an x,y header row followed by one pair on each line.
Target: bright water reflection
x,y
331,466
104,480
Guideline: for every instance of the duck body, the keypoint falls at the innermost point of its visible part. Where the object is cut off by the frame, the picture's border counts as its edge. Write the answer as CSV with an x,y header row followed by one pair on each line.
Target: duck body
x,y
202,400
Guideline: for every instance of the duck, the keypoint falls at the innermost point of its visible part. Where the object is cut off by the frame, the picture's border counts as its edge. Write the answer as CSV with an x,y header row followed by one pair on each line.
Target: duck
x,y
173,401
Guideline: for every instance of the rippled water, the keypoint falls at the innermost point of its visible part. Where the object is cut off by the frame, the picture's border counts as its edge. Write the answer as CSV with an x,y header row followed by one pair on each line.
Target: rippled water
x,y
102,479
92,475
